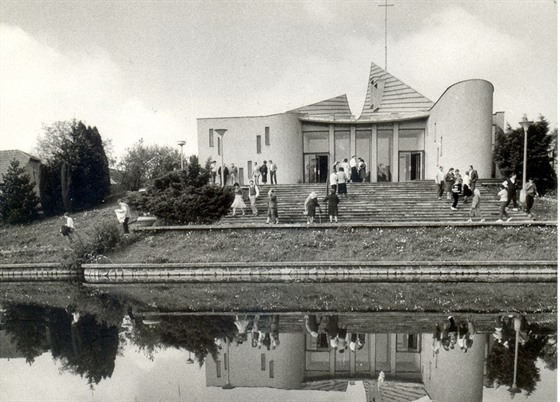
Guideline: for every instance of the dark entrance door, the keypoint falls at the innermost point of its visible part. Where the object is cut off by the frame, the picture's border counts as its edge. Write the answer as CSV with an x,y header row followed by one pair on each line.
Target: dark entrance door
x,y
316,168
411,165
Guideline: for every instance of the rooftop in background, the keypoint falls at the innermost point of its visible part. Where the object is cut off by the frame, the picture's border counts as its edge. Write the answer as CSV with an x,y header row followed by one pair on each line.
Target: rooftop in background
x,y
6,157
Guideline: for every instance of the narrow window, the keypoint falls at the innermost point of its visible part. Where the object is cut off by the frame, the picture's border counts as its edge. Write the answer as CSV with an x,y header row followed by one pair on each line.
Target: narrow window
x,y
219,146
263,362
271,369
211,137
218,369
226,361
258,144
250,170
267,136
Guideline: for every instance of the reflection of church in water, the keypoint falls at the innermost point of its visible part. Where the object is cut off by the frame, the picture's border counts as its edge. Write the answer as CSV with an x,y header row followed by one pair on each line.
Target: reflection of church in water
x,y
412,371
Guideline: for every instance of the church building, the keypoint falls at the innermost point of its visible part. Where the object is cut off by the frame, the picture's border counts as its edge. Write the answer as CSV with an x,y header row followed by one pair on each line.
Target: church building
x,y
401,135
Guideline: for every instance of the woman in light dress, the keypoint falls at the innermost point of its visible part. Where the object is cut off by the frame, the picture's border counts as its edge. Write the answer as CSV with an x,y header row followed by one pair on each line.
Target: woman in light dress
x,y
238,200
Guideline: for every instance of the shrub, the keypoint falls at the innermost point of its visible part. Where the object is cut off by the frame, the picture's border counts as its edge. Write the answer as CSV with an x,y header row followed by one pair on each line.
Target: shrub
x,y
184,197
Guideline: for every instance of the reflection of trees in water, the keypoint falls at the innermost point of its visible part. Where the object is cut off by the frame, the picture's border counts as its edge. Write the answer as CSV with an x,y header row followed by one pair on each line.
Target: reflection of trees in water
x,y
193,333
86,347
500,360
27,327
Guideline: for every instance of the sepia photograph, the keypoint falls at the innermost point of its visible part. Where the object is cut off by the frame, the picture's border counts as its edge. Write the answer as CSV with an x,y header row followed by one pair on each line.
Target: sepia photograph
x,y
278,200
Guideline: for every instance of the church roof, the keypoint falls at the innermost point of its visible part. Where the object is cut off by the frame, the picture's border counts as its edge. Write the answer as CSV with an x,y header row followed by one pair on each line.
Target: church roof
x,y
389,96
6,158
337,107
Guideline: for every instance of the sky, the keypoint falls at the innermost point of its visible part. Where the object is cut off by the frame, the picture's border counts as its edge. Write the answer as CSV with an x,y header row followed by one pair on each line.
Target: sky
x,y
147,69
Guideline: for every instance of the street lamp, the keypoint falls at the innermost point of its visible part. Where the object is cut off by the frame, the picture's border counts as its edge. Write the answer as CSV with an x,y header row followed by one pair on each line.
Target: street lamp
x,y
221,132
525,124
228,385
181,143
517,326
190,360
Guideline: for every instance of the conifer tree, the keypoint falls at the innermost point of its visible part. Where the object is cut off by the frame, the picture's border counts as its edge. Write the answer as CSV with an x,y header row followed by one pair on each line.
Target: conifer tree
x,y
18,201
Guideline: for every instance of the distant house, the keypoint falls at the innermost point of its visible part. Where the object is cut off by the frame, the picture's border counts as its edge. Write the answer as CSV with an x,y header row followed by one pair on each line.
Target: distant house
x,y
30,163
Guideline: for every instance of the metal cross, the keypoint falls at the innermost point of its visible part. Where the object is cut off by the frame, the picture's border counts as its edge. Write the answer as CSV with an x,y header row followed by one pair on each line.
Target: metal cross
x,y
386,7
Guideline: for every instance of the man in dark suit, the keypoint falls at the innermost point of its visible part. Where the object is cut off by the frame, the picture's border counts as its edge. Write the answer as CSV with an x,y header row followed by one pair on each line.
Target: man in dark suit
x,y
473,175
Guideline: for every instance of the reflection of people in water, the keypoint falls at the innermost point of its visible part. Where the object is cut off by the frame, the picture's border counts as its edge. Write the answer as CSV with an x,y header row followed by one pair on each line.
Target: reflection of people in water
x,y
505,330
241,324
357,341
312,325
449,334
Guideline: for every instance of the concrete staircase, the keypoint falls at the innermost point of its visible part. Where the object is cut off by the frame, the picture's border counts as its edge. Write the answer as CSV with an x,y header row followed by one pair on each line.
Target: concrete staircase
x,y
373,202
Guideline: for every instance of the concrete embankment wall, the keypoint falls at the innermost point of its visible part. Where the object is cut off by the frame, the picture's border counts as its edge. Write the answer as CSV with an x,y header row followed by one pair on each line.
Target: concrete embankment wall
x,y
379,271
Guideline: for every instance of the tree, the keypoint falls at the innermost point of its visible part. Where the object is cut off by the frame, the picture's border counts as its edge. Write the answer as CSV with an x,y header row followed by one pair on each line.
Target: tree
x,y
508,153
184,197
76,153
143,163
18,201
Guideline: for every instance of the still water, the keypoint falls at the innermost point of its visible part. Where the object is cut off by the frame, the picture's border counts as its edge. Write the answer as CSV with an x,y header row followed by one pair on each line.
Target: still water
x,y
122,353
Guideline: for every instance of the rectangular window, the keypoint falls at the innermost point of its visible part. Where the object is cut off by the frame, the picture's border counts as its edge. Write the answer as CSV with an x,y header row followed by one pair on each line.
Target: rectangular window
x,y
342,145
250,170
259,144
267,136
271,369
219,146
317,141
263,362
226,361
384,155
211,137
218,369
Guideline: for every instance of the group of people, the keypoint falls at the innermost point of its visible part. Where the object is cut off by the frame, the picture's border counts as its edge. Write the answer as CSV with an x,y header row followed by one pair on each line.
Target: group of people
x,y
272,201
263,330
260,174
454,184
338,336
504,330
450,334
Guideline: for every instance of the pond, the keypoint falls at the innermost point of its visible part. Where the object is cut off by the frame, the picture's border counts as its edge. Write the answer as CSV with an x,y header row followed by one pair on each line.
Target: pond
x,y
108,343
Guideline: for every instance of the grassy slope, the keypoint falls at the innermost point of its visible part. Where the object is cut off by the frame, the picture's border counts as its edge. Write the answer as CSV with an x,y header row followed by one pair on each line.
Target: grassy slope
x,y
41,242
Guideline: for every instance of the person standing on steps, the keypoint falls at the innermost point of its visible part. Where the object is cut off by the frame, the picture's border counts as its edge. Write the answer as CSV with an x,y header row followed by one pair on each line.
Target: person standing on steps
x,y
473,176
272,214
233,174
353,169
272,168
310,205
475,206
253,194
342,179
362,170
332,201
504,195
333,181
440,182
467,191
256,173
512,191
456,190
264,172
449,180
530,193
238,200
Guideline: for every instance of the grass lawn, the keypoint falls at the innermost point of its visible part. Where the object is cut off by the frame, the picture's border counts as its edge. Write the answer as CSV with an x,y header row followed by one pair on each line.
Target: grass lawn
x,y
42,242
342,297
345,244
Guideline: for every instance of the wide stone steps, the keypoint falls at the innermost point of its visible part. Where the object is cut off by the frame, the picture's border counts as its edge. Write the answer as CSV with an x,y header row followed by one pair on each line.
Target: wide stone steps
x,y
373,202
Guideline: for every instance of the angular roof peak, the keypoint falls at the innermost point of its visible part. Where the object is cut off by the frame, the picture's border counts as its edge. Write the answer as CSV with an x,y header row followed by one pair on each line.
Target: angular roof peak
x,y
337,107
387,95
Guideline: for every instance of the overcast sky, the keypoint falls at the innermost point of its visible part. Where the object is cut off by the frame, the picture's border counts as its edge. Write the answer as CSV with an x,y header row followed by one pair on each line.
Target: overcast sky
x,y
145,69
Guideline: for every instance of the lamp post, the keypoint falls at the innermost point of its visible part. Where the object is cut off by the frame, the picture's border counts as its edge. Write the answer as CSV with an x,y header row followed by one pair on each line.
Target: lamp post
x,y
181,143
228,385
221,132
190,360
525,124
517,326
